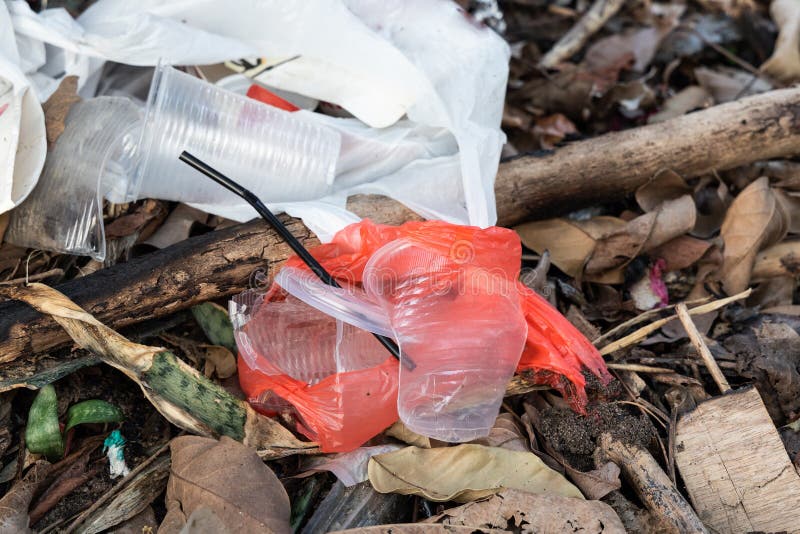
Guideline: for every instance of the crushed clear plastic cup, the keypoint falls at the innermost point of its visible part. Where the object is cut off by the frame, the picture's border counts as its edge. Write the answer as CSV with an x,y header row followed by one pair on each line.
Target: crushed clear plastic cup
x,y
111,147
336,378
461,325
277,155
64,213
348,304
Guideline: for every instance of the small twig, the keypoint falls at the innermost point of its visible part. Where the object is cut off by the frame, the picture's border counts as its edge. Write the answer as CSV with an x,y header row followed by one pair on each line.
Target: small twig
x,y
678,360
637,368
643,332
519,385
641,318
33,278
727,54
562,11
673,421
702,349
572,41
107,496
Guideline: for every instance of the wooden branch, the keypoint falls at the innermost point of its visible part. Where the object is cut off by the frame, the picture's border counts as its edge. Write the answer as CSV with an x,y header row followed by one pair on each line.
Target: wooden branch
x,y
220,264
610,166
652,485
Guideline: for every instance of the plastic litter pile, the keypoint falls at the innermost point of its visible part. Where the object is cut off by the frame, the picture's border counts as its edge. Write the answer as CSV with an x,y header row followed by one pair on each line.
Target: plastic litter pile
x,y
408,105
448,293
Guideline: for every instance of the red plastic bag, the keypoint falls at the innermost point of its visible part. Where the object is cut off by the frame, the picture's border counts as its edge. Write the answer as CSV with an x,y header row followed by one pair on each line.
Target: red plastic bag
x,y
553,344
554,351
337,380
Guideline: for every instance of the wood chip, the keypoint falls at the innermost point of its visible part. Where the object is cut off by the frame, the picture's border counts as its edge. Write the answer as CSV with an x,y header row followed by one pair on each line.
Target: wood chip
x,y
735,468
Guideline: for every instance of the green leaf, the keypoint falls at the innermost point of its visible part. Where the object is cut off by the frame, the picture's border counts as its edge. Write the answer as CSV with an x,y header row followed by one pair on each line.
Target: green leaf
x,y
92,411
216,324
43,435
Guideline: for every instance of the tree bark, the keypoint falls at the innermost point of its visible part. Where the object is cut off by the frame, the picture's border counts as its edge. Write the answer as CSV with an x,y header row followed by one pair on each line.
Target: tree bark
x,y
607,167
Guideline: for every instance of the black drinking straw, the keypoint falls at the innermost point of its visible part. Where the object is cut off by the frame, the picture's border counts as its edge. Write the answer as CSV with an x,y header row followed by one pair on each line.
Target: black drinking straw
x,y
287,236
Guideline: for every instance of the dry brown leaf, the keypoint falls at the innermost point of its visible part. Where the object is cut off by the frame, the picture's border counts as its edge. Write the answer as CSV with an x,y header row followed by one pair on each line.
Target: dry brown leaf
x,y
784,63
74,476
681,252
568,91
641,43
754,220
57,108
506,434
665,185
727,84
219,360
790,204
464,473
202,521
690,98
570,243
134,222
515,117
597,483
602,246
773,293
644,233
712,203
599,227
782,259
552,129
530,513
406,435
416,528
229,479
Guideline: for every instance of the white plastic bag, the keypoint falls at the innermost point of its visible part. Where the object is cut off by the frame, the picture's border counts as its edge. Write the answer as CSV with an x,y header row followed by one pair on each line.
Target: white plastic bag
x,y
22,135
423,59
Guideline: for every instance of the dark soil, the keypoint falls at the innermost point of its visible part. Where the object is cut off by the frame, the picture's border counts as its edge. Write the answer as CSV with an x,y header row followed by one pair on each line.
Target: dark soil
x,y
575,436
